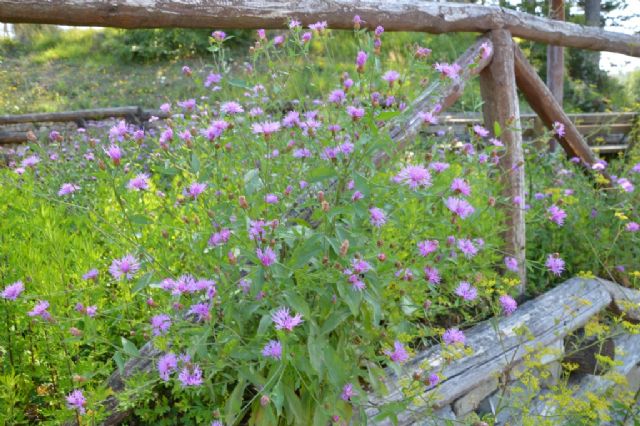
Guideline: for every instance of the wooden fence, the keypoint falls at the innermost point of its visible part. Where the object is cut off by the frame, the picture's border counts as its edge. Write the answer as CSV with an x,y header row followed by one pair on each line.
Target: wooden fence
x,y
503,69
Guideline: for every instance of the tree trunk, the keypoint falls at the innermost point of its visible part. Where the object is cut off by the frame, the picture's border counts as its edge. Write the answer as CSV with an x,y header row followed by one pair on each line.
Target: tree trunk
x,y
555,62
592,19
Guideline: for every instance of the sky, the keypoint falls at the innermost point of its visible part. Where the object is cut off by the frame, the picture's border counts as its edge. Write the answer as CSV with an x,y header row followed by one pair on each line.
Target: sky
x,y
615,63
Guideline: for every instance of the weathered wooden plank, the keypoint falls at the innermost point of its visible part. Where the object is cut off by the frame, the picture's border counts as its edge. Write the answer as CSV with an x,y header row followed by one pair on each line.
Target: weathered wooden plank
x,y
86,114
496,348
7,138
545,105
498,89
395,15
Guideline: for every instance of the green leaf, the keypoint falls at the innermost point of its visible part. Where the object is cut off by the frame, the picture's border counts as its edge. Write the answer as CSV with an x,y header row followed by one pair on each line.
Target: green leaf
x,y
265,322
294,406
129,347
297,302
140,219
497,130
119,362
306,251
386,115
234,403
252,181
143,282
335,319
321,173
315,346
195,163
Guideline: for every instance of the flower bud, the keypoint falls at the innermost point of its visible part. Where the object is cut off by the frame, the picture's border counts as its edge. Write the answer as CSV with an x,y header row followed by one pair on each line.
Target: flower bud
x,y
264,400
243,202
344,247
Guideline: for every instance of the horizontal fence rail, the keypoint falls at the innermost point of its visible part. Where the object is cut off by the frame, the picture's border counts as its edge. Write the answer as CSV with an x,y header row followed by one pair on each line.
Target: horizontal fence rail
x,y
607,132
395,15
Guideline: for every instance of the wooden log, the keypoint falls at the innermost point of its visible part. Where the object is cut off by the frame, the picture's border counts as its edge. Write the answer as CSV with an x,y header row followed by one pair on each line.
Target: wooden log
x,y
544,104
625,301
7,138
394,15
66,116
498,89
497,348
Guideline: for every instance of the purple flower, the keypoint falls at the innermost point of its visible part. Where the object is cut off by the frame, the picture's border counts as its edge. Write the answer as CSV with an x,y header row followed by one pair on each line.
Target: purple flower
x,y
414,176
461,186
139,183
453,336
190,375
90,275
439,167
422,52
119,131
76,401
356,282
485,50
355,113
427,247
167,364
273,349
337,96
432,275
459,207
231,108
218,36
126,267
278,40
555,264
391,76
318,26
166,107
267,256
91,311
399,353
30,161
557,215
625,184
220,238
306,37
347,392
195,189
40,310
509,305
160,324
12,291
558,129
201,311
466,291
267,128
511,263
467,247
428,117
434,379
448,70
115,153
261,34
636,168
377,216
271,199
480,131
284,321
186,70
212,79
632,227
379,30
361,60
188,105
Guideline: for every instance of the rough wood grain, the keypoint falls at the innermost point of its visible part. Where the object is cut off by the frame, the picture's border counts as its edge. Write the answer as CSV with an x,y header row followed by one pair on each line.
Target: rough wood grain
x,y
547,318
86,114
498,89
545,105
394,15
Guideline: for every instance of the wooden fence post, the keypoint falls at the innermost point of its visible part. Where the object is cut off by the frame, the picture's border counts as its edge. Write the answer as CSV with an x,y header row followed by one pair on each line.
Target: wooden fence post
x,y
498,88
555,62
